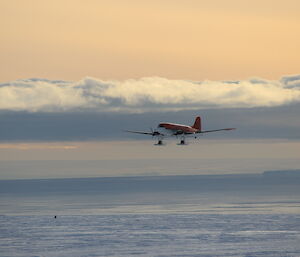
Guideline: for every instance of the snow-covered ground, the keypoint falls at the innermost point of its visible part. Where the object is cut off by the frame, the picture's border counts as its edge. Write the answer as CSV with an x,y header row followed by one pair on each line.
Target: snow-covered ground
x,y
151,235
236,215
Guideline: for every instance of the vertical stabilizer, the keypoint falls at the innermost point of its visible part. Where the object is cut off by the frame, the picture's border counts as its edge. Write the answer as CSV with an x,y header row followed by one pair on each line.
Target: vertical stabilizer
x,y
197,123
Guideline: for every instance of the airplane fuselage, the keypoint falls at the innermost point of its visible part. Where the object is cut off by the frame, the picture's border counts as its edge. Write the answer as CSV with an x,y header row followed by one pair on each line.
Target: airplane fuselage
x,y
178,128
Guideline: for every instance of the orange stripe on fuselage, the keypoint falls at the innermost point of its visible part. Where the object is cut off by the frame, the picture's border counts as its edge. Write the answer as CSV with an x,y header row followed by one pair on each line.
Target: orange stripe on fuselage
x,y
177,127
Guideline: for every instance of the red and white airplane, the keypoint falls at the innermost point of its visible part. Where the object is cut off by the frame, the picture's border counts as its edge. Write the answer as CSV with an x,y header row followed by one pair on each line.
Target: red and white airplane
x,y
166,129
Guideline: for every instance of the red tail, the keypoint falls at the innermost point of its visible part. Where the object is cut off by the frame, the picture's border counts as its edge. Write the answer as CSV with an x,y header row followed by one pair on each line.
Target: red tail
x,y
197,124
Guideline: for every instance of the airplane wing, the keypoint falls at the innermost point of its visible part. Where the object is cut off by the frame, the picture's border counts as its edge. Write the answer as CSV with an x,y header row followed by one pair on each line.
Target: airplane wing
x,y
154,133
207,131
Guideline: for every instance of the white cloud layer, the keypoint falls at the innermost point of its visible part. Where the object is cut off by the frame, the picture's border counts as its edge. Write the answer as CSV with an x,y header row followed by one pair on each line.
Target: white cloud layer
x,y
145,94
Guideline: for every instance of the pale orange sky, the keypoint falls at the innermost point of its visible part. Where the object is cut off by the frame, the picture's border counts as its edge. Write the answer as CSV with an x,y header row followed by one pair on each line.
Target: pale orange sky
x,y
71,39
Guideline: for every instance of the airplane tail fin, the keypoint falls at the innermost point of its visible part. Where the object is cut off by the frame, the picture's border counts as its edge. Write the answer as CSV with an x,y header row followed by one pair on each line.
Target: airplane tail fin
x,y
197,123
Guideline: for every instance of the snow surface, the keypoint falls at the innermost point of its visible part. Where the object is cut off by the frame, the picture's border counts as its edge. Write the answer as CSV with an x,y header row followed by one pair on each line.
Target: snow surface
x,y
151,235
152,216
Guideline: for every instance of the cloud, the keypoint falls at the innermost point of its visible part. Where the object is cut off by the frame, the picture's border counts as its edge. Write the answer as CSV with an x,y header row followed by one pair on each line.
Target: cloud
x,y
145,94
292,81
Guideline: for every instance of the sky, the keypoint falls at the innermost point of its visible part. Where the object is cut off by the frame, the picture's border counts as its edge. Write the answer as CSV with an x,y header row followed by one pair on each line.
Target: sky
x,y
194,40
74,75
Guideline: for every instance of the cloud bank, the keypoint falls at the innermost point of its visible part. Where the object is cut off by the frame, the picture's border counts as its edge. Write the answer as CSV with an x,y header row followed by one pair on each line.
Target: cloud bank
x,y
145,94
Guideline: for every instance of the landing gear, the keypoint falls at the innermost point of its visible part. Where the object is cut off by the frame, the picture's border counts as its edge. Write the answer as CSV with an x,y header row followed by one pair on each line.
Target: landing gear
x,y
160,141
182,141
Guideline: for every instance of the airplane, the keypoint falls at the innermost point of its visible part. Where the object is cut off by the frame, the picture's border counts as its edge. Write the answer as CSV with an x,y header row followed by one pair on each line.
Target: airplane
x,y
166,129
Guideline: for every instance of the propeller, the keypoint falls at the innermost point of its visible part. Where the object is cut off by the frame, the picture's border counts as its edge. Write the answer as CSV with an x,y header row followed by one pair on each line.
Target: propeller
x,y
152,131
